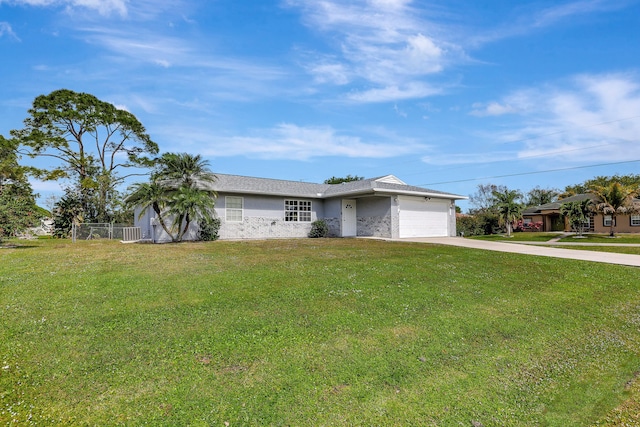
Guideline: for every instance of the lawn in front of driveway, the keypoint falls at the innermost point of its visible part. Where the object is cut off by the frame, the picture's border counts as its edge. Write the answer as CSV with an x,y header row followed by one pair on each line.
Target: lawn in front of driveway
x,y
312,332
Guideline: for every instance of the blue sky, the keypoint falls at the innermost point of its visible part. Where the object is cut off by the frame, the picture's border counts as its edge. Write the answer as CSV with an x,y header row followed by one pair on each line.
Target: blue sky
x,y
443,94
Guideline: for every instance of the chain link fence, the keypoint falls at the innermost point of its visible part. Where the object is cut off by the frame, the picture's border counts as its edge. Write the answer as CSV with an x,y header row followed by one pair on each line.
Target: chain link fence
x,y
99,230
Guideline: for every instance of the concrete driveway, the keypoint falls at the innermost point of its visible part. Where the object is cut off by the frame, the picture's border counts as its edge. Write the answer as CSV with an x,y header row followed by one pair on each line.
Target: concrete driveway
x,y
537,250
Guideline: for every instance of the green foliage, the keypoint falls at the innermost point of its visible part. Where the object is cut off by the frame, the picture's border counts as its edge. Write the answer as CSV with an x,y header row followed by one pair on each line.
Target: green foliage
x,y
92,140
508,207
541,196
208,229
18,209
483,199
311,332
348,178
319,228
614,198
67,211
577,212
631,180
478,224
180,189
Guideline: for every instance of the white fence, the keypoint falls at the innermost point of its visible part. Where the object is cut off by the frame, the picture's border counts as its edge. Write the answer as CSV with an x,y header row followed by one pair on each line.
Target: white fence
x,y
98,230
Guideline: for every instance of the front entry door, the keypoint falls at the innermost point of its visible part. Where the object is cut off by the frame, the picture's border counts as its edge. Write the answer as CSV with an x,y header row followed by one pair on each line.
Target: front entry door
x,y
349,218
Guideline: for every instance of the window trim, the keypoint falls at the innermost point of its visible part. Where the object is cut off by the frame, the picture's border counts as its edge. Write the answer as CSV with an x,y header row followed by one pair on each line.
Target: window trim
x,y
637,224
293,211
227,209
610,219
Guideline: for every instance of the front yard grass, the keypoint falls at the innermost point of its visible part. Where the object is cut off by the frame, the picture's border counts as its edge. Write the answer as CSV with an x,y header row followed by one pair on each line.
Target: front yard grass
x,y
313,332
631,250
603,238
526,236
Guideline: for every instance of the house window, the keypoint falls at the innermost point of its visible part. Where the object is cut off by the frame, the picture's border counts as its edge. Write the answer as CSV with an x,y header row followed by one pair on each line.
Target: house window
x,y
608,220
635,220
233,210
297,210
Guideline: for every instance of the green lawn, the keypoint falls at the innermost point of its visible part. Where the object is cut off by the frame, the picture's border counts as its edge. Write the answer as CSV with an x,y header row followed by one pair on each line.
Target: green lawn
x,y
527,236
632,250
313,332
604,238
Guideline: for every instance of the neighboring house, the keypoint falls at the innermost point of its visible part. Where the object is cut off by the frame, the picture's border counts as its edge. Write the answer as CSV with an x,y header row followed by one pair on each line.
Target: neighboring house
x,y
260,208
551,219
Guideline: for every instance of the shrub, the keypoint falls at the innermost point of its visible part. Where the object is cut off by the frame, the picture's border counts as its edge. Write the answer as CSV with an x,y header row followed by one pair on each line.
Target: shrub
x,y
478,224
209,229
319,228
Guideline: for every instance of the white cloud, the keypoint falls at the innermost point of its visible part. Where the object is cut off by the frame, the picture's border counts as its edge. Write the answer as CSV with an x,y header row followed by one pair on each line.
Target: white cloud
x,y
169,52
393,93
463,159
590,118
532,20
104,7
492,109
5,29
388,44
554,14
160,50
293,142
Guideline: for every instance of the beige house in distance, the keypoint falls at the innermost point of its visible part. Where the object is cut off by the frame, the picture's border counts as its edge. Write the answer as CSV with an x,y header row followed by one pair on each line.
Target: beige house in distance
x,y
547,217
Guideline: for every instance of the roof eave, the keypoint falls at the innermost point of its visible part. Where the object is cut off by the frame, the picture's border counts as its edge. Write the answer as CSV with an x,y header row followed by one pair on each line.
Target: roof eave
x,y
272,193
421,194
352,193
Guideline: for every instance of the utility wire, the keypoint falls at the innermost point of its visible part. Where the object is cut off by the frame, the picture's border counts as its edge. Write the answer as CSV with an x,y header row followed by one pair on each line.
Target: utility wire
x,y
541,136
530,173
533,156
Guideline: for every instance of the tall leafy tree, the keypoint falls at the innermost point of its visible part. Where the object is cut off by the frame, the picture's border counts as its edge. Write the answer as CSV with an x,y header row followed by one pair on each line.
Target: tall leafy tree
x,y
541,196
508,207
91,141
613,199
18,209
600,181
179,193
483,200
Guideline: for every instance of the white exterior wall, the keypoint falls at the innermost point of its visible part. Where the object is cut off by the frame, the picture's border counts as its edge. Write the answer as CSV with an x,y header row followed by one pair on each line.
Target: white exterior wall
x,y
374,217
263,218
156,233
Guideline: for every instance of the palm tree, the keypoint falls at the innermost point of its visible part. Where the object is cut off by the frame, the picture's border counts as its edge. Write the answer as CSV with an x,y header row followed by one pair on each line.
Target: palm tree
x,y
577,212
180,188
153,195
190,204
614,198
183,169
508,207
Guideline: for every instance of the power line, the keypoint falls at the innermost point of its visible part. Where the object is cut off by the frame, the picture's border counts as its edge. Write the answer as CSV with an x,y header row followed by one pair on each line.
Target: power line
x,y
550,153
542,136
530,173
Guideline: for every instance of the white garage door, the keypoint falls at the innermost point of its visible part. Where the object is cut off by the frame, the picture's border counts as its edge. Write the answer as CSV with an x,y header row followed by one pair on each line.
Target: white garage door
x,y
423,218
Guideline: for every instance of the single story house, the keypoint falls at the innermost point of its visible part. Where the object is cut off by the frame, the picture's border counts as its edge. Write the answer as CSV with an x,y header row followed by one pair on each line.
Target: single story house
x,y
550,218
262,208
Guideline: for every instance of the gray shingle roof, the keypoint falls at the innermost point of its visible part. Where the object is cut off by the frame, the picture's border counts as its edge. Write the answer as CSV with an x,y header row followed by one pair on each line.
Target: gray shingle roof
x,y
267,186
556,205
